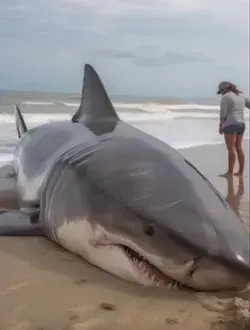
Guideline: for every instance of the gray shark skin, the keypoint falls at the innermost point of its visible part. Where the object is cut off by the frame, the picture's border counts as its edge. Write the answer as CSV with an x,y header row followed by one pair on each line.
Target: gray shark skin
x,y
124,201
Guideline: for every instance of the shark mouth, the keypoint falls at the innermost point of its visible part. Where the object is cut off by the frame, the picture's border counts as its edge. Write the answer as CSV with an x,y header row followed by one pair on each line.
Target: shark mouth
x,y
153,276
147,272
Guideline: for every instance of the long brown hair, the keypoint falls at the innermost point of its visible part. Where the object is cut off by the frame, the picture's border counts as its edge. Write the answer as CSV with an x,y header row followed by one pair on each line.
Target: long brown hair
x,y
233,88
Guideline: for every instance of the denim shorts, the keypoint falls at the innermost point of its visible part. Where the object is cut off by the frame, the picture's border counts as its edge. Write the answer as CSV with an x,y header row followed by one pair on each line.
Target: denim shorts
x,y
237,128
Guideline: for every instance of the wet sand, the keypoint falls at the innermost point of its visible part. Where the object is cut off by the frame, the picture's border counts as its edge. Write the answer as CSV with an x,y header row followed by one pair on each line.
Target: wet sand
x,y
44,287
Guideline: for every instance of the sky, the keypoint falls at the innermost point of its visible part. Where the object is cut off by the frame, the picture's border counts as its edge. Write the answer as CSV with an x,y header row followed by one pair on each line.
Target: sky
x,y
165,48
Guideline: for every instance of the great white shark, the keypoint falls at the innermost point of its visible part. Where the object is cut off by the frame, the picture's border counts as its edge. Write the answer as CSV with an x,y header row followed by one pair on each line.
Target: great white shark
x,y
124,201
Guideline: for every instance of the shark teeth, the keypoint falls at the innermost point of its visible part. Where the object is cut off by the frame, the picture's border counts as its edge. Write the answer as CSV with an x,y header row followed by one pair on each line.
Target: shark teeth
x,y
175,285
153,275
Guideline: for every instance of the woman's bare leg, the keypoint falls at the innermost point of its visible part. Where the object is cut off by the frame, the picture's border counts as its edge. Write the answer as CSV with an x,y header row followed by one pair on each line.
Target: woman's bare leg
x,y
240,154
230,140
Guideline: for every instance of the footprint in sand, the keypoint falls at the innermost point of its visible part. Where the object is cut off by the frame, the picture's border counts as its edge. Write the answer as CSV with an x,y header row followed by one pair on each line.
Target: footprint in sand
x,y
107,307
80,281
89,317
14,288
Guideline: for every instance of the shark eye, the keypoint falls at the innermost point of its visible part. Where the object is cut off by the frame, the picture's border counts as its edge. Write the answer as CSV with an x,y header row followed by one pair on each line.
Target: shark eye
x,y
150,230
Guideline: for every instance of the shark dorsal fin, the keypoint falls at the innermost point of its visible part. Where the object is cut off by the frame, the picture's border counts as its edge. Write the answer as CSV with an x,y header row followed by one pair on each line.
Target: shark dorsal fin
x,y
95,104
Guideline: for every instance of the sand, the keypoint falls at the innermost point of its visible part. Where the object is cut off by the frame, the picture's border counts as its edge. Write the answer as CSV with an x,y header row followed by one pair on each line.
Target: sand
x,y
44,287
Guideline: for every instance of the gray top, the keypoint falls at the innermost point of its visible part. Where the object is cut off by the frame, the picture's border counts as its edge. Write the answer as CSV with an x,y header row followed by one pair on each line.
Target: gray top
x,y
232,108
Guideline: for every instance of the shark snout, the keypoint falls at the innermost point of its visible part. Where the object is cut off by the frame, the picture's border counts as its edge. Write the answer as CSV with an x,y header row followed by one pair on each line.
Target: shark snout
x,y
210,275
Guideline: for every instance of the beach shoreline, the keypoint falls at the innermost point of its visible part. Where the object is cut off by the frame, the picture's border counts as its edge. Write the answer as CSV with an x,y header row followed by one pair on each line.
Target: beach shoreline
x,y
44,287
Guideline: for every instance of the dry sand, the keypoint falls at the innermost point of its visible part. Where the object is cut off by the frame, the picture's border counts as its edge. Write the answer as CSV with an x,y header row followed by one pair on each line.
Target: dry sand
x,y
44,287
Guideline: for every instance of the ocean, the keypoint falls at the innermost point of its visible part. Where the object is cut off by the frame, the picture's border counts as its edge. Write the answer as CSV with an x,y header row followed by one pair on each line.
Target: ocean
x,y
182,124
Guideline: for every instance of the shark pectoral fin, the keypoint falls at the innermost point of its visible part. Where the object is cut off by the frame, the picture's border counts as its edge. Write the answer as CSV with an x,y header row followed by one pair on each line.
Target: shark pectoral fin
x,y
15,223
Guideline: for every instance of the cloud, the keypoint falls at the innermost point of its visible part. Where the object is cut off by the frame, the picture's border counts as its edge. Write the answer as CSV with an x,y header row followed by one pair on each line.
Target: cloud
x,y
114,54
170,58
184,58
47,42
147,58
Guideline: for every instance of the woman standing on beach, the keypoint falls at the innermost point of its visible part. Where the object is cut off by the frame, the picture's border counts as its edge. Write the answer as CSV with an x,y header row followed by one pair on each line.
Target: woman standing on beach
x,y
232,124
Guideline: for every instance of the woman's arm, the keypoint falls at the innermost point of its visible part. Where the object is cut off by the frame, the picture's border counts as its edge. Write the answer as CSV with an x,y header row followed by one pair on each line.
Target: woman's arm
x,y
223,109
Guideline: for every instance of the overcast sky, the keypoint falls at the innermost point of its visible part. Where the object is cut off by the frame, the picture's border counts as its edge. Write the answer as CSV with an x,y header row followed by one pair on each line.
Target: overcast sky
x,y
174,48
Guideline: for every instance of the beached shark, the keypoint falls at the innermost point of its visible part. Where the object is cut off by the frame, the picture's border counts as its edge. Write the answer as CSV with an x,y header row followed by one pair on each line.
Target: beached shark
x,y
125,201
